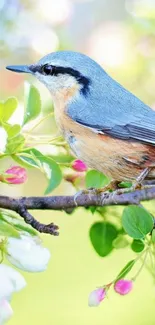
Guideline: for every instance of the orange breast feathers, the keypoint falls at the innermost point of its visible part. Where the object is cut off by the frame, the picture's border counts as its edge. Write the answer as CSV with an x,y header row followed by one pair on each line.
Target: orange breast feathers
x,y
61,99
65,95
119,159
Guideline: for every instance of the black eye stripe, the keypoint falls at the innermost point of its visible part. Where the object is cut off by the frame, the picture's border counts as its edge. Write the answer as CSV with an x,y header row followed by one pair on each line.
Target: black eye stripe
x,y
52,70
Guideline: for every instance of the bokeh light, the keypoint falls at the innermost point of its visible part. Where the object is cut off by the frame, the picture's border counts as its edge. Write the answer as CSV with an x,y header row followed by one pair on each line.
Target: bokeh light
x,y
45,42
141,8
55,12
109,44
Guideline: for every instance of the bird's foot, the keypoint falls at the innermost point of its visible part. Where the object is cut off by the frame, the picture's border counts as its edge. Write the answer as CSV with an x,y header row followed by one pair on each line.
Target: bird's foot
x,y
112,186
89,191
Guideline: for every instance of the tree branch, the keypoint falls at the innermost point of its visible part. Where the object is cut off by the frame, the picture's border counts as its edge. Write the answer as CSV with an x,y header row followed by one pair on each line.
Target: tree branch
x,y
21,205
49,229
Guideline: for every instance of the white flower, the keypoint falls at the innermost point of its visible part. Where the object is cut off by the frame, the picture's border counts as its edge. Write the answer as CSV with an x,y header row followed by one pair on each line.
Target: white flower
x,y
96,296
10,281
5,311
27,253
3,139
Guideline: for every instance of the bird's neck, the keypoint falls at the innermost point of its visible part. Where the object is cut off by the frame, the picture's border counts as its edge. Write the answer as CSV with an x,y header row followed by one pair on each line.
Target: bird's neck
x,y
62,99
63,96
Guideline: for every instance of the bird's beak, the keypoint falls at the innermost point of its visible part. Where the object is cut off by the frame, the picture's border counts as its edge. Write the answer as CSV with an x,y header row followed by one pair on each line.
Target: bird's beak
x,y
19,68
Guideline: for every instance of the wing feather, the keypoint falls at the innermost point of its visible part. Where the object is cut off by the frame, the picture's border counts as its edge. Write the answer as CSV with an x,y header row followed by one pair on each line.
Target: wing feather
x,y
113,110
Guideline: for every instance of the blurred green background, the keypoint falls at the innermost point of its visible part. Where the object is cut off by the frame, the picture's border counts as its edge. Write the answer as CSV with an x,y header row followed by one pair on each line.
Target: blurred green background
x,y
120,35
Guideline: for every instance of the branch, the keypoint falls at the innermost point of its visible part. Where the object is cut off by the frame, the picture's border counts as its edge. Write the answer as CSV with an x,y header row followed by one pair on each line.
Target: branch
x,y
48,229
21,205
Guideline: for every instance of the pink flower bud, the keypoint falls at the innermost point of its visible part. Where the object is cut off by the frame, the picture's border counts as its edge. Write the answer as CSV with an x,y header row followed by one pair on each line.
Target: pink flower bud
x,y
96,297
79,165
123,287
18,175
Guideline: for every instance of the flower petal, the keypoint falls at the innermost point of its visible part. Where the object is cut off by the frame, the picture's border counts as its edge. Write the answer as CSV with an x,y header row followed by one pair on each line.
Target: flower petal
x,y
27,254
5,311
96,297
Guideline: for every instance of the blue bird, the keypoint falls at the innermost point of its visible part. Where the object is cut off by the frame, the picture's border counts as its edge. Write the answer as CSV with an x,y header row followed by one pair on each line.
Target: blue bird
x,y
106,126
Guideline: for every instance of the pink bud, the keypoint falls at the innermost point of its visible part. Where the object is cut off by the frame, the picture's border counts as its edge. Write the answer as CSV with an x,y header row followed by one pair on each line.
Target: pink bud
x,y
123,287
96,297
18,175
79,165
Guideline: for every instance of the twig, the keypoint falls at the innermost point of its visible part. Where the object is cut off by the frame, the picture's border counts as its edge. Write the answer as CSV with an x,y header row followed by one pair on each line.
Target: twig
x,y
48,229
22,204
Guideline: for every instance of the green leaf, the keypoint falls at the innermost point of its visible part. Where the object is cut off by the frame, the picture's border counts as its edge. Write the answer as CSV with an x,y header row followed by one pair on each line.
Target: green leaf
x,y
35,158
22,227
7,108
120,242
102,235
136,221
8,230
102,211
126,269
95,179
25,160
153,236
92,209
122,231
51,169
62,158
125,184
17,223
137,245
33,103
15,144
12,130
53,173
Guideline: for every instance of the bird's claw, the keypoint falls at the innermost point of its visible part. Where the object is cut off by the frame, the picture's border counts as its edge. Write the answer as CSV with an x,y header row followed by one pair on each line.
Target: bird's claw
x,y
90,191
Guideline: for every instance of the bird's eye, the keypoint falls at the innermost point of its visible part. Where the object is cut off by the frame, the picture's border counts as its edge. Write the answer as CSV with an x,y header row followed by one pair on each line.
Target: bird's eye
x,y
47,69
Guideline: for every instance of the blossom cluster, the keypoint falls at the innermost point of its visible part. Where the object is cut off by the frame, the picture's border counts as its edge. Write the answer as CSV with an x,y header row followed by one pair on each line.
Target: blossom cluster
x,y
27,254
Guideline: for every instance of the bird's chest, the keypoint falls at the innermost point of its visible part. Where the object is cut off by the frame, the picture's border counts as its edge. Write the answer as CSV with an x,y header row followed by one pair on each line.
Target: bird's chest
x,y
80,138
70,131
65,124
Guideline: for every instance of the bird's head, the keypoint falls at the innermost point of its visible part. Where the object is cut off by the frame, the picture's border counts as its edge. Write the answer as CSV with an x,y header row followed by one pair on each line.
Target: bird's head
x,y
63,72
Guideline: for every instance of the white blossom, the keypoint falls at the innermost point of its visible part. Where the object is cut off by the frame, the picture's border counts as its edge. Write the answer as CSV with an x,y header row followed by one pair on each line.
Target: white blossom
x,y
5,311
10,281
27,253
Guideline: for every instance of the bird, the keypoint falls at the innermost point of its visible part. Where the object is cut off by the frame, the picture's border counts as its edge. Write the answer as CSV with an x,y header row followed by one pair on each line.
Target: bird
x,y
105,125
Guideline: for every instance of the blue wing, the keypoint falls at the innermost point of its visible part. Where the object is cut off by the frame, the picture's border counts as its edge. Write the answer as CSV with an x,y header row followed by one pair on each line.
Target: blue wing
x,y
111,109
